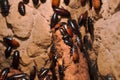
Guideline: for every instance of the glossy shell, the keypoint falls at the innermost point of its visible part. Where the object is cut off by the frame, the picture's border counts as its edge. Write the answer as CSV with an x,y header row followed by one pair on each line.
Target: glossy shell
x,y
21,8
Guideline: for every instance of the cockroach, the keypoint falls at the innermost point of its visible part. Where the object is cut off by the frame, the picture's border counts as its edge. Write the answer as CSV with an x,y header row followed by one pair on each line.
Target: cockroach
x,y
74,27
97,4
9,41
33,73
25,1
68,30
5,7
21,8
17,76
8,51
4,73
83,2
66,2
43,1
43,72
79,43
35,2
74,54
55,3
82,19
91,28
16,59
61,67
54,20
62,12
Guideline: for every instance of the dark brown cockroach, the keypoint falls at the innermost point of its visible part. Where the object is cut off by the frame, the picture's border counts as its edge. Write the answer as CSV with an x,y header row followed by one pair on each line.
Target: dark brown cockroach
x,y
35,2
87,43
79,43
4,7
61,68
43,1
66,37
74,27
55,3
4,73
21,8
43,72
8,51
25,1
54,20
16,59
9,41
17,76
66,2
62,12
97,4
74,54
82,19
68,30
83,2
91,28
33,73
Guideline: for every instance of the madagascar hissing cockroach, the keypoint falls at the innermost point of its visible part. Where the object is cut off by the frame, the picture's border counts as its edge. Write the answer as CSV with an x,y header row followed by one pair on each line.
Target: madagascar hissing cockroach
x,y
8,51
21,8
33,73
79,43
16,59
5,7
54,20
74,53
43,1
82,19
62,12
4,73
66,2
9,41
25,1
91,28
55,3
83,2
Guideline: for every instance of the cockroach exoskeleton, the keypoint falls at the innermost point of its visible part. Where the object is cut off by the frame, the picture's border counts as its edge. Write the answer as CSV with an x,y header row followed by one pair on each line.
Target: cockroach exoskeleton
x,y
55,3
91,28
62,12
5,7
54,20
4,73
61,68
82,19
33,73
83,2
21,8
16,59
43,72
43,1
35,3
8,51
9,41
74,53
66,2
74,27
97,5
25,1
